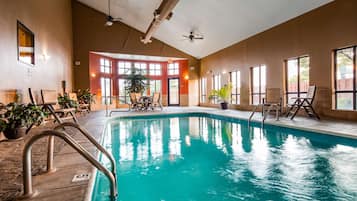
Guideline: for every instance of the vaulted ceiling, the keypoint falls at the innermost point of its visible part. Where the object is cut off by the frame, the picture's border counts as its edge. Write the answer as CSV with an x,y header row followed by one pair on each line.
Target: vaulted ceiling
x,y
221,22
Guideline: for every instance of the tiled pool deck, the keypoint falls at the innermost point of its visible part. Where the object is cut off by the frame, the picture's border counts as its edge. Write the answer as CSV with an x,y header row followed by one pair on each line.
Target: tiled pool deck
x,y
59,186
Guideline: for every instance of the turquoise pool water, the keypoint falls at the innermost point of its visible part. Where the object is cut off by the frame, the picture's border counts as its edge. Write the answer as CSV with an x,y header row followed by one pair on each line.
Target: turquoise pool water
x,y
197,157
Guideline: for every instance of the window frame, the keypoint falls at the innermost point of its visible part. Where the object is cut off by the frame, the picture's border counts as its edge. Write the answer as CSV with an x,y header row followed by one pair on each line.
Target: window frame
x,y
155,69
139,68
299,92
155,81
237,92
127,71
215,100
203,89
260,84
103,68
106,97
126,97
354,90
174,69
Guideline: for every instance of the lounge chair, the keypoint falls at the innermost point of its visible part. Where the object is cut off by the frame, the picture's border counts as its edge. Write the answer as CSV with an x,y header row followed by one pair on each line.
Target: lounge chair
x,y
50,103
156,101
272,101
81,107
305,103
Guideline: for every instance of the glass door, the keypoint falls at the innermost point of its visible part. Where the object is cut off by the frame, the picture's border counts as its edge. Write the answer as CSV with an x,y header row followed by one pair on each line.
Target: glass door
x,y
174,92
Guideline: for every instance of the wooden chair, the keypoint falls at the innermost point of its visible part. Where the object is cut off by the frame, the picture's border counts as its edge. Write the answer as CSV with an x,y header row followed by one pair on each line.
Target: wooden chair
x,y
134,101
81,107
50,103
6,97
156,101
305,103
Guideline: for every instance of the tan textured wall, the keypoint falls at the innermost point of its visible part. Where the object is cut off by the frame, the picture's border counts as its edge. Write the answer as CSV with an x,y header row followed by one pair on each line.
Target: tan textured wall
x,y
315,34
90,34
193,92
51,23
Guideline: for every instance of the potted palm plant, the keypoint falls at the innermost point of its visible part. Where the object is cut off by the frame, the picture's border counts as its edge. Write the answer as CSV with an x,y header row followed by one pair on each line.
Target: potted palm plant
x,y
223,95
19,119
136,82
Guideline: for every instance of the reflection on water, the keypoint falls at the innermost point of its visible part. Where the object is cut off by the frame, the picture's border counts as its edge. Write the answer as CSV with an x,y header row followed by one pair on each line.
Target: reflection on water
x,y
199,158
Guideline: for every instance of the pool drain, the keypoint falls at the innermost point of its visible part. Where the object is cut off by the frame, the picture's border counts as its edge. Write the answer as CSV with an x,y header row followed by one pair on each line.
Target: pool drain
x,y
81,177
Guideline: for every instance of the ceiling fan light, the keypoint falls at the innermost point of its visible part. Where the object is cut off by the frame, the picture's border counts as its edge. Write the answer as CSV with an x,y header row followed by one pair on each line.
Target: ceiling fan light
x,y
109,23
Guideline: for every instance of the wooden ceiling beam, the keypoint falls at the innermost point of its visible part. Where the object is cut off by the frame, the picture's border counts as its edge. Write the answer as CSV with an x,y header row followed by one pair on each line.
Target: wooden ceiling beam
x,y
164,12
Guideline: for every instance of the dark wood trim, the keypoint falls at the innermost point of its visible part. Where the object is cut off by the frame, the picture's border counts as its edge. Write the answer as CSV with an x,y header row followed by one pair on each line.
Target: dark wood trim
x,y
259,93
354,88
17,39
354,78
236,94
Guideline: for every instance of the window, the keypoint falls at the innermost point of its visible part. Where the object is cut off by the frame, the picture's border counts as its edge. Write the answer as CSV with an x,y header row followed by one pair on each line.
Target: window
x,y
25,44
203,89
123,93
106,89
216,85
155,86
105,65
258,83
173,69
124,68
297,77
345,79
235,80
140,68
154,69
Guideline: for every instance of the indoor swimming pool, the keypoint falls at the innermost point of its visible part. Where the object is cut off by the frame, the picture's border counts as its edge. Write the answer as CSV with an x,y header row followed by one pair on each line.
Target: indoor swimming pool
x,y
202,157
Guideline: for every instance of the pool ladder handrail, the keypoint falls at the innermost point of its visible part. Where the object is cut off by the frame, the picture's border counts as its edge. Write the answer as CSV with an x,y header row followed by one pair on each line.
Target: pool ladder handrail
x,y
27,176
264,114
85,133
252,114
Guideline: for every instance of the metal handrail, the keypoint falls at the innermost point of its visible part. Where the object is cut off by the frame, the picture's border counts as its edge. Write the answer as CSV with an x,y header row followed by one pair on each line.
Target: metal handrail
x,y
251,115
27,177
50,166
109,114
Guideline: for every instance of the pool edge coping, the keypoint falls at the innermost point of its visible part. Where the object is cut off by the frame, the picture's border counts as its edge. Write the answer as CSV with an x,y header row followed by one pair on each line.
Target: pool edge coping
x,y
267,122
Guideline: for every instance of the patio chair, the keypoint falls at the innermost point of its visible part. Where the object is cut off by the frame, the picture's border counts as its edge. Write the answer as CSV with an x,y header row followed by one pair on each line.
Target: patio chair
x,y
50,103
156,101
305,103
81,107
272,101
6,97
134,101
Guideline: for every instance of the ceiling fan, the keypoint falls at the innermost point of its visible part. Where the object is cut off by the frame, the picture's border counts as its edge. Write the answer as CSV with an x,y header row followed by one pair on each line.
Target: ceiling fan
x,y
110,20
192,37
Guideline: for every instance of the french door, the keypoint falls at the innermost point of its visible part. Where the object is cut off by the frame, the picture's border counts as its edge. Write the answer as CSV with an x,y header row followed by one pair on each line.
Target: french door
x,y
174,92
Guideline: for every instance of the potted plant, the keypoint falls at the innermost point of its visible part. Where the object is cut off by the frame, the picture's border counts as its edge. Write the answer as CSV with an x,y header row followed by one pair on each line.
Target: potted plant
x,y
85,96
136,82
19,119
65,102
223,95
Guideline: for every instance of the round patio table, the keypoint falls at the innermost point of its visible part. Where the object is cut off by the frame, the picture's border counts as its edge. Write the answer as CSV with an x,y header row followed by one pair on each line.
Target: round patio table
x,y
146,102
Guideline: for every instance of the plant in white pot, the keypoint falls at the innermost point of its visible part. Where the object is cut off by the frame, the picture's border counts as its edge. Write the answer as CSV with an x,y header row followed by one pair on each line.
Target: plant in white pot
x,y
19,118
223,95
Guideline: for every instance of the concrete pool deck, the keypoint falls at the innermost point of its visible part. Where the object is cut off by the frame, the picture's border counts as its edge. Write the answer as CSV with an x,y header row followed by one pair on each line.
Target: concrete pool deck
x,y
59,185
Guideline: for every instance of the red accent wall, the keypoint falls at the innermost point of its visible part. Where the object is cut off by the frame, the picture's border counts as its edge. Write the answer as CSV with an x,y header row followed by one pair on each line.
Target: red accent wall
x,y
95,74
